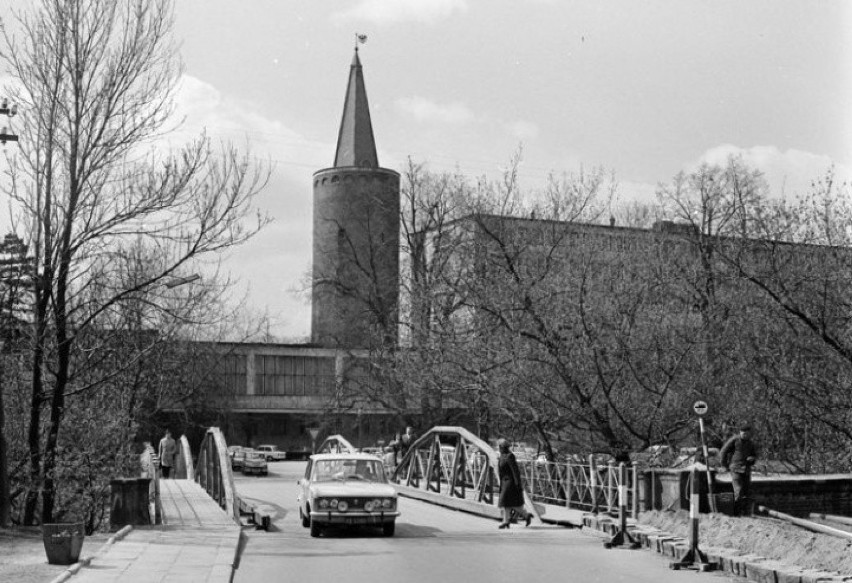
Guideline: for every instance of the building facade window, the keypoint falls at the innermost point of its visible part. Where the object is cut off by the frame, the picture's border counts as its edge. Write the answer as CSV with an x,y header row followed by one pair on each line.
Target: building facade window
x,y
233,373
294,375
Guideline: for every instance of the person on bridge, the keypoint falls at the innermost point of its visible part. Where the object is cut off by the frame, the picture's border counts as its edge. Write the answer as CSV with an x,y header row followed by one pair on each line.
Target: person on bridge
x,y
406,441
168,449
511,486
738,456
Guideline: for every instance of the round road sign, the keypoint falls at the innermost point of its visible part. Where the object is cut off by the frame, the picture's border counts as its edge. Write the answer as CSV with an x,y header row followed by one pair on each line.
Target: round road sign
x,y
700,408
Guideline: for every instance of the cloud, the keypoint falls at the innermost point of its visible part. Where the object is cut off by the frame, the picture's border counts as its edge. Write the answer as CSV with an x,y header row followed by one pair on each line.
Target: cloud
x,y
424,110
395,11
272,265
788,173
522,130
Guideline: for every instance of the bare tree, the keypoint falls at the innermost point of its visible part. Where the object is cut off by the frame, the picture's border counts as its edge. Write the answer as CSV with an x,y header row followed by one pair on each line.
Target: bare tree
x,y
15,298
95,80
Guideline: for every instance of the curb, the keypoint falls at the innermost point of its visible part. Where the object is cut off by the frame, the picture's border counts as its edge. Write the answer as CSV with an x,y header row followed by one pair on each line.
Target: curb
x,y
84,562
749,566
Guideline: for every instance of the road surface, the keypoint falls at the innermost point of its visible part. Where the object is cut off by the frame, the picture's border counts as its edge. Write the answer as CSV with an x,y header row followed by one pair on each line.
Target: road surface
x,y
431,544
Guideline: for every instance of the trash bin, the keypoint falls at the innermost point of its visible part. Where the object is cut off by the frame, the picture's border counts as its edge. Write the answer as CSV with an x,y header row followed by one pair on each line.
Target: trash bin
x,y
63,542
129,502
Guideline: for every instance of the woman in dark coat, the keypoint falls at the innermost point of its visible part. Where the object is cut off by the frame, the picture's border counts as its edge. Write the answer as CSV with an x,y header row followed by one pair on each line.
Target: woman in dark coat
x,y
511,486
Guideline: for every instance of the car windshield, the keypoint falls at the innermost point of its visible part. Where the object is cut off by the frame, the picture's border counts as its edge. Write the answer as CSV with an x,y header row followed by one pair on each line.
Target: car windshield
x,y
348,469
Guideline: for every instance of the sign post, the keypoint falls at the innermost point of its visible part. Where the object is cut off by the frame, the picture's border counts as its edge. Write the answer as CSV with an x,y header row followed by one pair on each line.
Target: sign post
x,y
701,408
694,558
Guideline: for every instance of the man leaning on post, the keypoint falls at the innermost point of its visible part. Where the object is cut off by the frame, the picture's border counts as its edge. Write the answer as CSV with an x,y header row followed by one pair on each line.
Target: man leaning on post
x,y
738,456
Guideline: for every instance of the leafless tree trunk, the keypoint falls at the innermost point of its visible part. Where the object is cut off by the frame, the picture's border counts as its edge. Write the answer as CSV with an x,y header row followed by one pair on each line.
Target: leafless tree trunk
x,y
95,80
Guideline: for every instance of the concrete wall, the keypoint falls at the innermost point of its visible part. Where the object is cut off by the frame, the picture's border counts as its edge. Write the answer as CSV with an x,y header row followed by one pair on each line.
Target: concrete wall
x,y
795,495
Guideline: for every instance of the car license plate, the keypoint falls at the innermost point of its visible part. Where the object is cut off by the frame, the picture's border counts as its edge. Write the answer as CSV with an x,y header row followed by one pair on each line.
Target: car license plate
x,y
353,521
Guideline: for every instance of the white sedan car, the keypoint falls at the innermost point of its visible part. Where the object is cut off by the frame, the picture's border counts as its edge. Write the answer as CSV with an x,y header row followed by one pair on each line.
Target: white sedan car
x,y
346,489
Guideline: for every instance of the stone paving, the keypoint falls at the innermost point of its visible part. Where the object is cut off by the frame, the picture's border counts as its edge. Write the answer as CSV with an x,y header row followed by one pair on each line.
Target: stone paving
x,y
197,542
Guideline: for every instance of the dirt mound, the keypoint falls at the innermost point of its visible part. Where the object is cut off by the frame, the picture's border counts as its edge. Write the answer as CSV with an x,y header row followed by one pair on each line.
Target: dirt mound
x,y
770,538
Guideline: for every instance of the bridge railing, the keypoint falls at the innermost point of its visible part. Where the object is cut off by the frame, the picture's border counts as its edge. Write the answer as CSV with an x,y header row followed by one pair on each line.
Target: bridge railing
x,y
214,472
336,444
184,467
453,462
591,486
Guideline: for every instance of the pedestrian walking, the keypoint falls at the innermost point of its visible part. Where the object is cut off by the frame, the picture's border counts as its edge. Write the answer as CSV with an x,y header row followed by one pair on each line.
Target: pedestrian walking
x,y
511,486
167,451
738,456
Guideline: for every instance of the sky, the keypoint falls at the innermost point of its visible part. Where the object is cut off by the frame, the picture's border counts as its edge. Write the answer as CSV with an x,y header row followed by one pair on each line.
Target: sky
x,y
645,89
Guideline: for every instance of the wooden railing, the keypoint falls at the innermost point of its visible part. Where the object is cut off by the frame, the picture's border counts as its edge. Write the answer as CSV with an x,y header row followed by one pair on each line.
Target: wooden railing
x,y
214,472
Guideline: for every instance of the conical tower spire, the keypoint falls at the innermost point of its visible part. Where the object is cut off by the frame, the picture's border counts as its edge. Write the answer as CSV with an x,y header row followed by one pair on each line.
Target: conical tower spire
x,y
355,143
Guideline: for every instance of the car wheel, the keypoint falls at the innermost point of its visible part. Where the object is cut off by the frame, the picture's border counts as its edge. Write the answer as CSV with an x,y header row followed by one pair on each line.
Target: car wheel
x,y
306,521
315,528
388,528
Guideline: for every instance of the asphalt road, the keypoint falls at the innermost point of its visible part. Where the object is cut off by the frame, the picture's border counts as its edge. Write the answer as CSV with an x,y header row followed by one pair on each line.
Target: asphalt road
x,y
431,544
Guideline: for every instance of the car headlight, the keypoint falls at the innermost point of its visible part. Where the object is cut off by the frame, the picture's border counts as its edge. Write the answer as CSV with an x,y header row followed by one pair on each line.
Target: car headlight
x,y
368,506
323,503
332,503
342,506
388,503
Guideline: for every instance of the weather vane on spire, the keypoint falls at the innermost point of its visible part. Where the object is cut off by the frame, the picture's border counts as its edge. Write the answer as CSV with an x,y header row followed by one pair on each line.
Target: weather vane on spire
x,y
360,39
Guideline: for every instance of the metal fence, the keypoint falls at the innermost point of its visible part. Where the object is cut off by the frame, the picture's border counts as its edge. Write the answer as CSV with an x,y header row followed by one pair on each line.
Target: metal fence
x,y
591,485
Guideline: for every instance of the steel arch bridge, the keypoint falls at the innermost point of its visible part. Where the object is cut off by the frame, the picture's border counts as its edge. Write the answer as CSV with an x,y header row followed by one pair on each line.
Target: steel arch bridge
x,y
453,462
336,444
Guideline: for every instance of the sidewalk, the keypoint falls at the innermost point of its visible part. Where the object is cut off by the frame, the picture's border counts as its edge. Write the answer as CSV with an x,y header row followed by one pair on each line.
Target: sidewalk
x,y
197,542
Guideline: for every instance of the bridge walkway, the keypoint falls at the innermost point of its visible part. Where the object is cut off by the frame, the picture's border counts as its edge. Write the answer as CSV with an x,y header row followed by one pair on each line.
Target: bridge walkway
x,y
197,541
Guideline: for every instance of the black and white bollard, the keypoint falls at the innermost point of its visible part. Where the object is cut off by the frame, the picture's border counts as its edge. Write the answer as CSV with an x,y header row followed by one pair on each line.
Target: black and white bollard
x,y
622,535
693,558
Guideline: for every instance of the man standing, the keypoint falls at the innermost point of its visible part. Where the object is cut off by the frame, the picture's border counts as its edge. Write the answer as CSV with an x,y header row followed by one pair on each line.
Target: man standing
x,y
738,456
406,441
168,449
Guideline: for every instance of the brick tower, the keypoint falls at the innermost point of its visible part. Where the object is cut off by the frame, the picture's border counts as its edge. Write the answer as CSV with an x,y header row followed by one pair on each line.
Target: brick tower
x,y
356,235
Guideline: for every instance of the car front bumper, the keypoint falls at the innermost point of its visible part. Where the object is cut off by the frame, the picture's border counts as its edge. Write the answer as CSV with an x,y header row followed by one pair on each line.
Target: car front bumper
x,y
354,517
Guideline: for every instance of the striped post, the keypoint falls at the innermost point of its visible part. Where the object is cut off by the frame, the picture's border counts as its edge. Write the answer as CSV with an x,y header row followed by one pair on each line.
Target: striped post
x,y
568,484
622,535
693,558
610,488
593,480
635,466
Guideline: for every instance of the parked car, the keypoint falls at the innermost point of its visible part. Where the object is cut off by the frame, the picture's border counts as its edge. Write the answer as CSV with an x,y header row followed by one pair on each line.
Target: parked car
x,y
346,489
272,453
238,455
255,463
